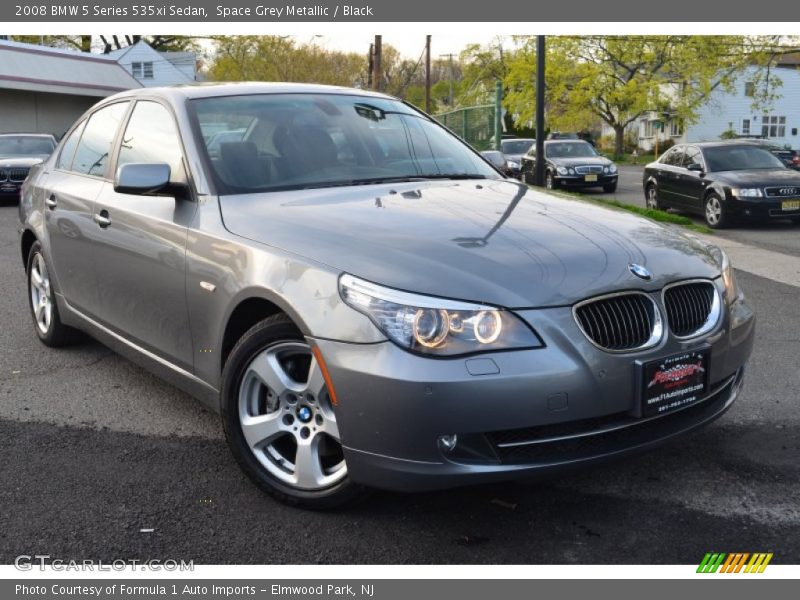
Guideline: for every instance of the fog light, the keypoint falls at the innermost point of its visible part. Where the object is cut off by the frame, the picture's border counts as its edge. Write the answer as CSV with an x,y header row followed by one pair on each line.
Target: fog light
x,y
448,442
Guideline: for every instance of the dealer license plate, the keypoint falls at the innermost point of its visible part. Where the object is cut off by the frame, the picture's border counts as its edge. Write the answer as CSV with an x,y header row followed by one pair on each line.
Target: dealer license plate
x,y
790,205
674,382
590,178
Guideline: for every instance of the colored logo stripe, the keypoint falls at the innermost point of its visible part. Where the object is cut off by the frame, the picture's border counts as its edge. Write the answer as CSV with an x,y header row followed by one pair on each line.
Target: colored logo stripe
x,y
735,562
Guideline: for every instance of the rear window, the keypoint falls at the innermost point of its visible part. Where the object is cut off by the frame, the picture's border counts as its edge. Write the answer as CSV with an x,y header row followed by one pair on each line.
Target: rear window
x,y
264,142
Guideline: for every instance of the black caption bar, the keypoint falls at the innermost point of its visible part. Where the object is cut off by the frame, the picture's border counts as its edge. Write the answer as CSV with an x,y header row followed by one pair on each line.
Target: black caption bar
x,y
536,11
389,589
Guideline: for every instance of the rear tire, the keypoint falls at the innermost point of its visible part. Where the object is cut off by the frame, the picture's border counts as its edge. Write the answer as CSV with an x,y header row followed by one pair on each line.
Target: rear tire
x,y
42,302
651,198
281,429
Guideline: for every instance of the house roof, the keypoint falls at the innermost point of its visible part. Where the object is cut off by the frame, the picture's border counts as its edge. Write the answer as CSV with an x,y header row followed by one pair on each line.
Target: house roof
x,y
40,69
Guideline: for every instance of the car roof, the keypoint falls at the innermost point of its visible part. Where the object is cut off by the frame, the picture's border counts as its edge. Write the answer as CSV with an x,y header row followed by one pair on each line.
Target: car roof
x,y
43,135
723,143
212,90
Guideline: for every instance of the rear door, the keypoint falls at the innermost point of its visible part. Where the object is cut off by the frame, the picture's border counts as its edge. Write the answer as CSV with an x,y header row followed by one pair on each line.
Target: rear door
x,y
70,190
140,259
666,171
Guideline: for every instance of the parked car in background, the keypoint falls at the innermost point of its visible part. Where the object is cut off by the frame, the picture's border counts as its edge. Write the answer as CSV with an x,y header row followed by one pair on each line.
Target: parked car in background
x,y
498,160
723,181
787,156
372,309
571,164
513,151
18,153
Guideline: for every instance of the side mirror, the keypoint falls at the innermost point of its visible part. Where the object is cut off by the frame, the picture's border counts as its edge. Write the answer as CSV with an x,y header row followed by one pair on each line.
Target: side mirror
x,y
142,179
696,167
496,158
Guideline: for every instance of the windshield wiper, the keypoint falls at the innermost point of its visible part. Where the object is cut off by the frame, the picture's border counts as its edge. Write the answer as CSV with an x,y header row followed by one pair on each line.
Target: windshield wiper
x,y
379,180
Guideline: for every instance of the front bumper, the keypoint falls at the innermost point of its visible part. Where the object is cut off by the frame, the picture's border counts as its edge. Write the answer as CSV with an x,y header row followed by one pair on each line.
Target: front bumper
x,y
762,208
580,180
516,414
10,189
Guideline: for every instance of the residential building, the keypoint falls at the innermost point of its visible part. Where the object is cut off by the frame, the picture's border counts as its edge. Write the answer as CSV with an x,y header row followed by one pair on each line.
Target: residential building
x,y
152,68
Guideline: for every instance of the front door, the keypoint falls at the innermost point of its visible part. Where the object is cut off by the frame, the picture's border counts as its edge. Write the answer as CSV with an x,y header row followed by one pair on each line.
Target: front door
x,y
140,259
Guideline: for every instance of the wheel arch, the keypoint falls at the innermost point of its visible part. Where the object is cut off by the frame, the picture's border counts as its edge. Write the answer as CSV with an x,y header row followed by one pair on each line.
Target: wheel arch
x,y
27,240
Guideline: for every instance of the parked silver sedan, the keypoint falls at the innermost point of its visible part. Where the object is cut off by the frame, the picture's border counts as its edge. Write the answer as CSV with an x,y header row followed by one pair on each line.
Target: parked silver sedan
x,y
365,300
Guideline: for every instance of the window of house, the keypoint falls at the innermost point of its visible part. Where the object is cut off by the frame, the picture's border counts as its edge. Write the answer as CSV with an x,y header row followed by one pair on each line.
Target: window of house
x,y
650,128
675,128
142,70
773,126
745,126
749,89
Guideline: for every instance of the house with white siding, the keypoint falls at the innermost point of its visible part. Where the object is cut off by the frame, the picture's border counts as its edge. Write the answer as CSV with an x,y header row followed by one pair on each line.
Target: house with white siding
x,y
733,111
152,68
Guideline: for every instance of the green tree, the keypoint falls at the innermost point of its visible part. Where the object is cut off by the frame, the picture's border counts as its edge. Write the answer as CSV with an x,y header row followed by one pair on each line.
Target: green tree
x,y
279,58
620,78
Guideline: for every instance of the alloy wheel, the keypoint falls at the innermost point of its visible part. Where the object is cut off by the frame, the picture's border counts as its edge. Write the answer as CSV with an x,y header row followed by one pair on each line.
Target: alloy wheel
x,y
652,198
41,294
287,419
713,211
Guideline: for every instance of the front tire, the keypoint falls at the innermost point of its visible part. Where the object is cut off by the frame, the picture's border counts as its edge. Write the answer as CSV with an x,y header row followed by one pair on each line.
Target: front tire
x,y
549,181
42,302
610,189
715,213
279,420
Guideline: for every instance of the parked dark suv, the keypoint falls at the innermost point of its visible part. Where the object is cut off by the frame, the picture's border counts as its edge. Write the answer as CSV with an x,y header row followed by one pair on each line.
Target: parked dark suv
x,y
18,153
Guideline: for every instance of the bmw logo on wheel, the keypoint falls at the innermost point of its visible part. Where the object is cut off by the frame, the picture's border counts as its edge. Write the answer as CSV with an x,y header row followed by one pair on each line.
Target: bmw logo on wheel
x,y
640,271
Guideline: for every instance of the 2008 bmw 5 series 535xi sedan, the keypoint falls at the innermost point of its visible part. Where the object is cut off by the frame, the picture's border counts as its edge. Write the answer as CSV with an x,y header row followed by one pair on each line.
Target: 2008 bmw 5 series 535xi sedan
x,y
364,299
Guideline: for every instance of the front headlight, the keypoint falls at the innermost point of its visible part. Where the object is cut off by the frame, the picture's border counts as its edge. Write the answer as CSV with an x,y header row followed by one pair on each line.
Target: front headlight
x,y
747,192
436,326
612,168
732,290
512,164
562,170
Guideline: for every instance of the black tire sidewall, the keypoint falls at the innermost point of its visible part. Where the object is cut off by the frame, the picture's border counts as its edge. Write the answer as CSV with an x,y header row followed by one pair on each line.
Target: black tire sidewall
x,y
268,332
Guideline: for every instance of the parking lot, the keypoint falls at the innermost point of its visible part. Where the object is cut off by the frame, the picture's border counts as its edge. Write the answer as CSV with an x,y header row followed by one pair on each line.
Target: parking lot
x,y
94,450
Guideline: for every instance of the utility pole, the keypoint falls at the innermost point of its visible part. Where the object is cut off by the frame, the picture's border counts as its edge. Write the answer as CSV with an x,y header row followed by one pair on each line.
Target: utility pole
x,y
450,99
540,56
428,74
377,78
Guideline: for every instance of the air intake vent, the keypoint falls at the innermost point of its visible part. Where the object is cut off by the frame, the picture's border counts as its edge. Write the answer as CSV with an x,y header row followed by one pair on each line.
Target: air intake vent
x,y
620,322
692,307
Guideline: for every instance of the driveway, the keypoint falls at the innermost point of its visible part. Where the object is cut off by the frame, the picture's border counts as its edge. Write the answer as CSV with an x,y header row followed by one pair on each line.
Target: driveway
x,y
94,450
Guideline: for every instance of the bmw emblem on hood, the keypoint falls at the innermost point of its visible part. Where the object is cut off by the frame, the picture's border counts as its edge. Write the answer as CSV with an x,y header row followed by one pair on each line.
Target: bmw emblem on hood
x,y
640,271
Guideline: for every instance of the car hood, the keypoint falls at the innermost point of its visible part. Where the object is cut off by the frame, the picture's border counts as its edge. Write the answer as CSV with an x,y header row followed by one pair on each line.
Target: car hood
x,y
588,160
758,177
20,161
496,242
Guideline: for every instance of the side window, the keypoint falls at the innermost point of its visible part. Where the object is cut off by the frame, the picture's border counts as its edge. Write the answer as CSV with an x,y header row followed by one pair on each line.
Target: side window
x,y
673,156
692,156
151,137
68,149
91,157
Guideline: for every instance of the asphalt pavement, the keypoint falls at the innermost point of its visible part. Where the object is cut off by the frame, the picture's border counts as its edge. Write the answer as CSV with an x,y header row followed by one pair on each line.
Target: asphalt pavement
x,y
93,450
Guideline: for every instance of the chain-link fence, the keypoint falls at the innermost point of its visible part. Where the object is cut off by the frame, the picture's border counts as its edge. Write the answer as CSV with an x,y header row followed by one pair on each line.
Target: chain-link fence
x,y
474,124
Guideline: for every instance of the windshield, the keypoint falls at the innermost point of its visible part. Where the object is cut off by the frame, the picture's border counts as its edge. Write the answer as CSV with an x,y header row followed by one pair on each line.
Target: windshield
x,y
25,145
569,150
516,146
740,158
269,142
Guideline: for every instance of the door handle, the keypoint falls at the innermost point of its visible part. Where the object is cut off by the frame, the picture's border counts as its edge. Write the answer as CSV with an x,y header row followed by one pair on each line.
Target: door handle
x,y
102,219
51,202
